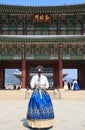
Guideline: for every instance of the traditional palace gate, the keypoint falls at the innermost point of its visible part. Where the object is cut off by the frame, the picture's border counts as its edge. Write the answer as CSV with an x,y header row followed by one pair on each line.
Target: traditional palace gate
x,y
44,35
60,52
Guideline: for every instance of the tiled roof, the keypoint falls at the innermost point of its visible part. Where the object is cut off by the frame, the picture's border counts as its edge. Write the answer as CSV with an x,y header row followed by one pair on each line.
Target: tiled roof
x,y
42,38
80,8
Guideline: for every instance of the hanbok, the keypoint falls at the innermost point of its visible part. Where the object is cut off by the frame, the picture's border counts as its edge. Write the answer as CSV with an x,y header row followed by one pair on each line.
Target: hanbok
x,y
75,86
40,112
65,85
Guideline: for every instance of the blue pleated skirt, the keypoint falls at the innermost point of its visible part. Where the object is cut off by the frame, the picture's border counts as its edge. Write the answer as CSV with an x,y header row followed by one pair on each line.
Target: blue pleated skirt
x,y
76,87
40,109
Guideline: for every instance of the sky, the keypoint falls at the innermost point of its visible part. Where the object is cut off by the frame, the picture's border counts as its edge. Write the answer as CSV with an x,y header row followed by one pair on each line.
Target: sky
x,y
41,2
72,73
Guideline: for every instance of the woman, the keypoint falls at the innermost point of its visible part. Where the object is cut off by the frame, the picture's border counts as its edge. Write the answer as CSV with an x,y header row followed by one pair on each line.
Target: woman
x,y
65,85
75,85
40,112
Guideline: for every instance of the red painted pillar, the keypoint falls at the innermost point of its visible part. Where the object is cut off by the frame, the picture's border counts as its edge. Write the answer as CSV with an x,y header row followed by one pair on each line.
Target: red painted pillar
x,y
28,75
23,84
55,76
81,76
60,75
2,78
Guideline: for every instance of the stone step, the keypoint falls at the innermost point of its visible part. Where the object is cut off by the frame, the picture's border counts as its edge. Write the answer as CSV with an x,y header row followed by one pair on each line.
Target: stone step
x,y
70,95
12,95
23,94
62,94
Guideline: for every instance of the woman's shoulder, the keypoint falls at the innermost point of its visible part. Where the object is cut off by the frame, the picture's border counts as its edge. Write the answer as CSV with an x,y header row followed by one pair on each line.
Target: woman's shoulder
x,y
35,76
43,76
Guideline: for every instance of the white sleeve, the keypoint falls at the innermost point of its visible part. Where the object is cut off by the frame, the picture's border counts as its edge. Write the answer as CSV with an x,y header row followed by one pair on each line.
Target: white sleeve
x,y
46,83
32,83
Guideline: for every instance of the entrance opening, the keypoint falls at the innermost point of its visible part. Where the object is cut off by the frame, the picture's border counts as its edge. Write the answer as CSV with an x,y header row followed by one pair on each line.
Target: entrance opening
x,y
11,81
70,74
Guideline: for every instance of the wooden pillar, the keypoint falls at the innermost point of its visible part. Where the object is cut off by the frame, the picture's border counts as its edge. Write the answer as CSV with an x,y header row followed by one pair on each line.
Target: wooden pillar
x,y
58,25
23,84
60,74
60,67
55,76
81,77
2,78
28,75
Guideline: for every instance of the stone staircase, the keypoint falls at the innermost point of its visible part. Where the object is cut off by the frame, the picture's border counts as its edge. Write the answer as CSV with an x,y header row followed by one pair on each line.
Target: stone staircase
x,y
70,95
12,95
62,94
22,94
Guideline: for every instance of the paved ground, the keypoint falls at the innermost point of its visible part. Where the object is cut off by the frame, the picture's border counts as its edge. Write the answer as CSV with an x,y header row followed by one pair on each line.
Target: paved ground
x,y
69,115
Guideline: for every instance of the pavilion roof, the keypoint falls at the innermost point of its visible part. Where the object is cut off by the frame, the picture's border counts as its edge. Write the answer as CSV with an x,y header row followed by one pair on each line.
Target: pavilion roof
x,y
28,39
16,9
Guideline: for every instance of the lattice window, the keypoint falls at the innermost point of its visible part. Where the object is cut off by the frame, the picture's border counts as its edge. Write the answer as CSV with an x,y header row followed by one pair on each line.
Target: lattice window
x,y
27,48
71,19
19,48
46,49
45,33
63,32
41,49
78,26
37,32
53,32
70,32
74,48
80,49
20,32
56,48
70,26
3,19
30,26
4,49
37,49
53,26
83,49
28,19
78,32
20,26
12,32
51,48
32,47
12,19
5,32
63,26
14,48
65,49
54,19
29,32
20,19
4,26
63,19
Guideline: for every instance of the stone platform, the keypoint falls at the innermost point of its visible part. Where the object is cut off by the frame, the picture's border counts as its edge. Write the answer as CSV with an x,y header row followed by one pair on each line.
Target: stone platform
x,y
23,94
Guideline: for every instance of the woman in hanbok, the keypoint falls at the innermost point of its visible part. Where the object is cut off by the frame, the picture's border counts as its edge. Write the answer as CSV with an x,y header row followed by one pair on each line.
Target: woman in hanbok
x,y
40,112
75,85
65,85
